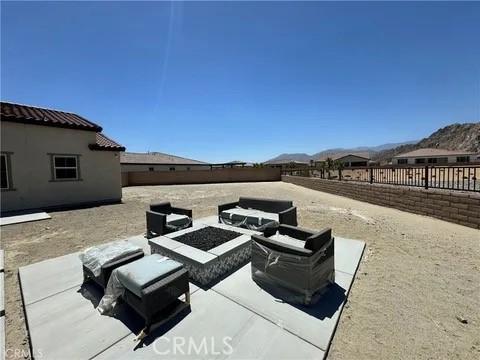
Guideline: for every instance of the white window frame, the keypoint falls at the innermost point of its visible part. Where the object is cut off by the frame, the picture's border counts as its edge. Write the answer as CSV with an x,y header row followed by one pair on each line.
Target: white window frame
x,y
76,167
6,171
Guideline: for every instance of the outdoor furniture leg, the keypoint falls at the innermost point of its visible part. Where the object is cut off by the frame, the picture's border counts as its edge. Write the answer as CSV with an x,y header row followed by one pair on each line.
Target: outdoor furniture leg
x,y
187,297
142,334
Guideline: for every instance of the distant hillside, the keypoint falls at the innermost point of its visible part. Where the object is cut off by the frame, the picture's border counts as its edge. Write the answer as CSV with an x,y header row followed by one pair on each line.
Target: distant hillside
x,y
463,137
329,152
292,157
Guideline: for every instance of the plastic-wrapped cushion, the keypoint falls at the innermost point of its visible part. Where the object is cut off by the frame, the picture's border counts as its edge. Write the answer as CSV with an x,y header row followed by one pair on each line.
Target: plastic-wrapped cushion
x,y
285,239
97,256
235,214
293,278
249,218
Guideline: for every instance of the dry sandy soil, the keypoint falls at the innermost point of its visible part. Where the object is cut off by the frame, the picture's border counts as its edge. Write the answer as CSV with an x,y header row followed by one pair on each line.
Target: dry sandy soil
x,y
416,294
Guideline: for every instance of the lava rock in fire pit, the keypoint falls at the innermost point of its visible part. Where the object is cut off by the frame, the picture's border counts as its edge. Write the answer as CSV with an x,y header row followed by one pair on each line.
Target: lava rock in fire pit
x,y
207,238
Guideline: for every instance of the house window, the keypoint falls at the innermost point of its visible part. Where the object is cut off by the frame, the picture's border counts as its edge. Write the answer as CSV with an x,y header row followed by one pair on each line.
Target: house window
x,y
432,160
5,172
402,161
420,161
463,159
65,167
442,160
172,169
150,169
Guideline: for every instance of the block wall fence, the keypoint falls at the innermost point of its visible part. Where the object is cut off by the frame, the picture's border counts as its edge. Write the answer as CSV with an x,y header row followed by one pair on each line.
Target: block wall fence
x,y
454,206
246,174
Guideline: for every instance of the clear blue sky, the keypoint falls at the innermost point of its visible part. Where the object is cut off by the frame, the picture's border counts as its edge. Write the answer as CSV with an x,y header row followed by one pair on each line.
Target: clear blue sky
x,y
222,81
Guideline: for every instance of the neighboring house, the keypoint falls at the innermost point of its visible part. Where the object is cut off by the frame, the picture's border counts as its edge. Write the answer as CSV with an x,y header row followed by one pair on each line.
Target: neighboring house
x,y
156,161
435,156
286,164
348,160
52,158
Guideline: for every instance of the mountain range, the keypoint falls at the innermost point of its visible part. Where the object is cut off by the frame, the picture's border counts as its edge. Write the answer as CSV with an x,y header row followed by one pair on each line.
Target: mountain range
x,y
462,137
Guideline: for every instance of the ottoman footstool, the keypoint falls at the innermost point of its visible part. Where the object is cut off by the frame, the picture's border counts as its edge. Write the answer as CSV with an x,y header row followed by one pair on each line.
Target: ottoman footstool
x,y
151,284
101,274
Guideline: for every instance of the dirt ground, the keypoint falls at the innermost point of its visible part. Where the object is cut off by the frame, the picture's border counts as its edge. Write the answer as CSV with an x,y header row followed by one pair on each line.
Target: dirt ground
x,y
416,294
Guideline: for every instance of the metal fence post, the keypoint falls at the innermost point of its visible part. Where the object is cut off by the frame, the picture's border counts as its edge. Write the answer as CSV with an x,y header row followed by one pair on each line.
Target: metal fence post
x,y
371,175
426,177
340,174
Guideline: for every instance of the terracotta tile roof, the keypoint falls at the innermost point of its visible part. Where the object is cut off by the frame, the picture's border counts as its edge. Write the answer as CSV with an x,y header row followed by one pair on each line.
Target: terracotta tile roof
x,y
106,144
157,158
433,152
40,116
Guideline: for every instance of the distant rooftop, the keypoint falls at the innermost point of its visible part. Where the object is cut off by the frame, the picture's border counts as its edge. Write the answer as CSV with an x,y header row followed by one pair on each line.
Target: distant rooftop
x,y
433,152
157,158
338,156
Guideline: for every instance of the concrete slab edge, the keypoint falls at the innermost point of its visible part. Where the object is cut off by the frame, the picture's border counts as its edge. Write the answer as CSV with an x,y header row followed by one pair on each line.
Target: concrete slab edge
x,y
327,350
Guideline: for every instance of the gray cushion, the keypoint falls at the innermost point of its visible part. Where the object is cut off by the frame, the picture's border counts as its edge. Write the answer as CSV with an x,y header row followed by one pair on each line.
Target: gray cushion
x,y
144,272
177,220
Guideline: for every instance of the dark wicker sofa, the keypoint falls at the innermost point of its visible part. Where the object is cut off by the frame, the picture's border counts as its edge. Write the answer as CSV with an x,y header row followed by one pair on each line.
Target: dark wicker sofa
x,y
163,218
300,261
257,212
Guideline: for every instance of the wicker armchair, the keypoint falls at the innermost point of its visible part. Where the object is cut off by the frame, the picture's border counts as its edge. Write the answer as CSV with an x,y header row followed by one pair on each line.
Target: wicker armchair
x,y
163,218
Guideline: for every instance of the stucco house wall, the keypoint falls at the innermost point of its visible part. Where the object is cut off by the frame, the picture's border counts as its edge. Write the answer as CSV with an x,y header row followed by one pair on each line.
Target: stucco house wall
x,y
451,159
30,148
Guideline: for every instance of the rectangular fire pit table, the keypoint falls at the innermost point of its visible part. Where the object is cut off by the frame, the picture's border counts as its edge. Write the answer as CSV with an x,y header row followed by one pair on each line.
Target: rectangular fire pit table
x,y
207,251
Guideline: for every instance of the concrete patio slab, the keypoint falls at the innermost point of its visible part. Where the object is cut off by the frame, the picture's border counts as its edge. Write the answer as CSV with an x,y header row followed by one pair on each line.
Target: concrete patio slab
x,y
234,333
49,277
347,254
17,219
64,323
314,324
67,325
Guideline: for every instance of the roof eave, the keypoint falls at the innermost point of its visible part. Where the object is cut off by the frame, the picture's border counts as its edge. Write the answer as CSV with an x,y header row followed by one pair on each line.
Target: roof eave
x,y
96,147
27,121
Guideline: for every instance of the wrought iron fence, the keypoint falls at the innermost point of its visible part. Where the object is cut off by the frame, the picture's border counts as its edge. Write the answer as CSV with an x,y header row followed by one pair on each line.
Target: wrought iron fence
x,y
463,178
